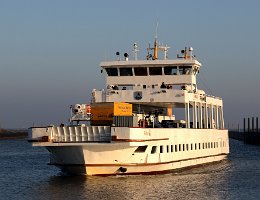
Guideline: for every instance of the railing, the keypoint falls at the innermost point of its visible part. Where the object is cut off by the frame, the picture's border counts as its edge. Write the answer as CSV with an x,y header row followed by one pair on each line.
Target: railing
x,y
208,95
81,134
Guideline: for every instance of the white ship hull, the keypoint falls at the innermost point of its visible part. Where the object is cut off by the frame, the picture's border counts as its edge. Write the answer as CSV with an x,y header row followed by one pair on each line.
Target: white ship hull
x,y
178,148
188,125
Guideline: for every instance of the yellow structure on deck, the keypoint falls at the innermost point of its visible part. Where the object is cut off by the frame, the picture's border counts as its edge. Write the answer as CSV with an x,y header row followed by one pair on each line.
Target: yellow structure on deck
x,y
106,111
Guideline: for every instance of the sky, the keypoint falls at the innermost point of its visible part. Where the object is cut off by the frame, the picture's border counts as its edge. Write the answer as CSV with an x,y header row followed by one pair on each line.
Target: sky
x,y
50,51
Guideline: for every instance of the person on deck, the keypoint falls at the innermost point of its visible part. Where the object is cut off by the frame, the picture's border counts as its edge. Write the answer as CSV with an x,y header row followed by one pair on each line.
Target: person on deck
x,y
163,85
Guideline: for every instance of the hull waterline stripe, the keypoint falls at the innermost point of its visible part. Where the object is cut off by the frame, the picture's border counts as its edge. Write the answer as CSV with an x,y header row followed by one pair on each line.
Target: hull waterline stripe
x,y
157,172
133,164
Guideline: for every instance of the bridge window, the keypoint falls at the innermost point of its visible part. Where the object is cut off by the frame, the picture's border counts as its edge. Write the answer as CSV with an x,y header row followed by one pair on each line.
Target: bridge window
x,y
170,70
141,149
155,70
126,71
140,71
185,70
112,71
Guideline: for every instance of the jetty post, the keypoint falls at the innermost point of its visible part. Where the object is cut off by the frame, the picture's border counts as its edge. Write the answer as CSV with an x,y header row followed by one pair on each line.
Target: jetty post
x,y
253,124
248,124
257,124
250,132
244,124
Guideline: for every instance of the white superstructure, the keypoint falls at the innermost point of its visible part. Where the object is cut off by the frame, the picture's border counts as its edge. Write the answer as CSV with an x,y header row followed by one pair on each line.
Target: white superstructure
x,y
172,124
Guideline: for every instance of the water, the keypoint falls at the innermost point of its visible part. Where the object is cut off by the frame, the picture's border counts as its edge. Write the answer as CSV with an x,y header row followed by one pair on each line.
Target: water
x,y
24,174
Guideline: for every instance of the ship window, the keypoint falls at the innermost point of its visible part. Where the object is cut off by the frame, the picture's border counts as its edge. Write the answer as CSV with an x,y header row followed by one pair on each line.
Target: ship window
x,y
140,71
216,144
161,149
167,148
171,148
179,147
176,149
185,70
183,147
191,147
141,149
112,71
155,71
187,147
209,145
126,71
199,145
170,70
195,146
203,146
154,149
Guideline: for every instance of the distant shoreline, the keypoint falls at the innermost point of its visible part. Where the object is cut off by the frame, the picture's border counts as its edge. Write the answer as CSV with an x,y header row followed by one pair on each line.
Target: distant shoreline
x,y
13,134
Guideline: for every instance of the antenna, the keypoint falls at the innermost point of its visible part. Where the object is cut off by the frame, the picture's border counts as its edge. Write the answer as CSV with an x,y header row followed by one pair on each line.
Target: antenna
x,y
165,50
135,50
149,56
156,30
155,48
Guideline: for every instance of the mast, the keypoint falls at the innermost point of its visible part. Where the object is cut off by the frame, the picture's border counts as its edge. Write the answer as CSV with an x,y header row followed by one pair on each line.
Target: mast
x,y
155,49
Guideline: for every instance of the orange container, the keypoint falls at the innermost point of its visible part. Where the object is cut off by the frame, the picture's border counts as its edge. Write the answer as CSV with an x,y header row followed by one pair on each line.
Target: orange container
x,y
106,111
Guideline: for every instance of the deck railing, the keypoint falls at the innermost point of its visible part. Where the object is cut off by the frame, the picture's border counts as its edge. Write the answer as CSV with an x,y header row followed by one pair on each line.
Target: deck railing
x,y
81,134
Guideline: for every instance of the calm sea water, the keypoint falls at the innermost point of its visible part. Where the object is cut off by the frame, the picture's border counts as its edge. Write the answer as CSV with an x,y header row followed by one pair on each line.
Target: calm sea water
x,y
24,174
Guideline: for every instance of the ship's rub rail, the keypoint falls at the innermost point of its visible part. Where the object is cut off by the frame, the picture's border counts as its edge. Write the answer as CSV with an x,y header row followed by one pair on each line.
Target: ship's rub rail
x,y
115,139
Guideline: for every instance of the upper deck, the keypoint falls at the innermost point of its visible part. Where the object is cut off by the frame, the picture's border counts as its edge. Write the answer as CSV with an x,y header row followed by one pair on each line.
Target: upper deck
x,y
151,72
153,81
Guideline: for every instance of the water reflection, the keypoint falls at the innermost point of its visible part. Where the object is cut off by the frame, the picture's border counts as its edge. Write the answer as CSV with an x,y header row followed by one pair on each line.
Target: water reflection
x,y
199,183
25,175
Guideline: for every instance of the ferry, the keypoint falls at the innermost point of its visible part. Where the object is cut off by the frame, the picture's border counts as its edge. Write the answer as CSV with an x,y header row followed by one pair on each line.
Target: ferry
x,y
151,118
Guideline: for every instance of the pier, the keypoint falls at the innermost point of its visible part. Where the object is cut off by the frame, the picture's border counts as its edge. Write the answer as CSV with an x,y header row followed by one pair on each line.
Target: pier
x,y
13,133
250,133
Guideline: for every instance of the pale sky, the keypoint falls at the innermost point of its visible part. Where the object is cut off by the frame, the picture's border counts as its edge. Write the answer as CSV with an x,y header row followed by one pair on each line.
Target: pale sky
x,y
50,51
